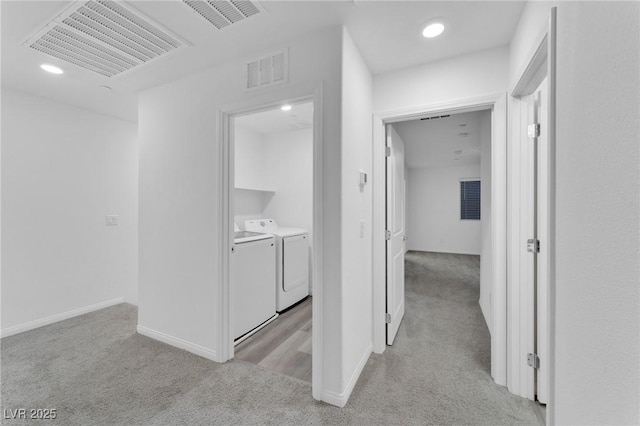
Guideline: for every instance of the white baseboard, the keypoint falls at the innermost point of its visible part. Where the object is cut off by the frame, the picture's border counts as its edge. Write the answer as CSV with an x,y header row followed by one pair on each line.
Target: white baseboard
x,y
340,399
178,343
58,317
486,311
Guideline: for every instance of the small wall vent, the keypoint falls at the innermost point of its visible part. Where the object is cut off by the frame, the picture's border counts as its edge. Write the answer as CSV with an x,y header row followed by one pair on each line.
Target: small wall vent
x,y
267,71
105,37
222,13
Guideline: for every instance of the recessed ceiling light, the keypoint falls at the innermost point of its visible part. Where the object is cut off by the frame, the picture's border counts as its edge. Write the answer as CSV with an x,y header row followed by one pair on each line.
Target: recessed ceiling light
x,y
51,68
462,125
458,152
463,134
286,107
433,30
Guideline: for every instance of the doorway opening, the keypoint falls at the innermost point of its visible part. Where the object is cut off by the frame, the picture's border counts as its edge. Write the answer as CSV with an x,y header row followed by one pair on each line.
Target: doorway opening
x,y
497,247
272,267
307,96
439,167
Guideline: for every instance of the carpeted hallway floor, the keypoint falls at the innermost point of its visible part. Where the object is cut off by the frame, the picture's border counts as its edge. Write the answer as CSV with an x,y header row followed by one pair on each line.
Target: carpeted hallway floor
x,y
95,369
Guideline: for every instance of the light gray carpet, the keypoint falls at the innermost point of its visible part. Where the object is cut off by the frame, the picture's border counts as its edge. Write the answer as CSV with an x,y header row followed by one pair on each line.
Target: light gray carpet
x,y
95,369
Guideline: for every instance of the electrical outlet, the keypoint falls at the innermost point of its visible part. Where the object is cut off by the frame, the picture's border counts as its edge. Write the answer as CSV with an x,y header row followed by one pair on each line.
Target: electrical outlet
x,y
111,220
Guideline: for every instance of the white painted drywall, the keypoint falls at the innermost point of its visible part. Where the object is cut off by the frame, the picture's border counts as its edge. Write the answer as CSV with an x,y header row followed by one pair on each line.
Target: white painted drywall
x,y
433,211
181,200
289,160
251,171
356,212
474,75
597,286
63,170
486,255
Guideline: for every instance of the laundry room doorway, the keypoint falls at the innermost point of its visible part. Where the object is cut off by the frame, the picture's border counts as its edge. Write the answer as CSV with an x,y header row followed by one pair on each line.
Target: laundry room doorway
x,y
272,214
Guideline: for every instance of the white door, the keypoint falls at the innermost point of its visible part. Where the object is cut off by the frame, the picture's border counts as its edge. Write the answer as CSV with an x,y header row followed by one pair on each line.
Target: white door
x,y
395,233
537,223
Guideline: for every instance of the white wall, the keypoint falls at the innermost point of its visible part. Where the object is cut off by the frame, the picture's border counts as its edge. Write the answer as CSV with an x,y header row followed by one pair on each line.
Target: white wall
x,y
433,211
486,259
63,170
251,169
474,75
289,159
357,208
597,291
181,199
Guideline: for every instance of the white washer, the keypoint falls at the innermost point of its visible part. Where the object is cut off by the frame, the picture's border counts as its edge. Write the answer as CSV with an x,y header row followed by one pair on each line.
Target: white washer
x,y
254,277
292,261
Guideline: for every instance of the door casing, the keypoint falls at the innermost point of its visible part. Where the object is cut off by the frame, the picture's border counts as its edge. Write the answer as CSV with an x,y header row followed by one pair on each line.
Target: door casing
x,y
541,65
311,92
496,103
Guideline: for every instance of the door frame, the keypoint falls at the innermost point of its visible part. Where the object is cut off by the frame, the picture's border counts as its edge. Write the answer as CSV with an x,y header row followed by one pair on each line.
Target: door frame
x,y
311,92
496,103
541,65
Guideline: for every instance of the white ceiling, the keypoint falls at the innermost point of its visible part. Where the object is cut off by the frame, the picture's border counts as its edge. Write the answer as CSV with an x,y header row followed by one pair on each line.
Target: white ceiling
x,y
434,142
277,121
386,32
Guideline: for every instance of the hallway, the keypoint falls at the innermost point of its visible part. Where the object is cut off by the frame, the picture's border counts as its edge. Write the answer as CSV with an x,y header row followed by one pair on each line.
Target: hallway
x,y
438,369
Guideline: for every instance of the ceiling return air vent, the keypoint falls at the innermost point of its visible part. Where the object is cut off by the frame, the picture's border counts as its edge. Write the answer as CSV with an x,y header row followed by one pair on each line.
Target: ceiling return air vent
x,y
222,13
105,37
267,71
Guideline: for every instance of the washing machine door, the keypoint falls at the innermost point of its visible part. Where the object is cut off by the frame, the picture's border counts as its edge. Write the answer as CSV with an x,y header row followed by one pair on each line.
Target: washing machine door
x,y
295,261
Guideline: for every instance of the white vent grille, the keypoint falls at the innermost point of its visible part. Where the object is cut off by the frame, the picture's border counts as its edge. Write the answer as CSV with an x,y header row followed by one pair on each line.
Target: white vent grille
x,y
105,37
267,71
222,13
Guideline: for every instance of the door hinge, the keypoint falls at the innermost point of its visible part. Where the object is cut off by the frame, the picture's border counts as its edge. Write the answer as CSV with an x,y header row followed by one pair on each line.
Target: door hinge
x,y
387,318
387,151
533,130
533,245
533,360
387,235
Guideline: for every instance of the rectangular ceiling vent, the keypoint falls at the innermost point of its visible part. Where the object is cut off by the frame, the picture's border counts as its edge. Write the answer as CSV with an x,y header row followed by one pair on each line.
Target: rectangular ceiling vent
x,y
435,117
222,13
105,37
267,71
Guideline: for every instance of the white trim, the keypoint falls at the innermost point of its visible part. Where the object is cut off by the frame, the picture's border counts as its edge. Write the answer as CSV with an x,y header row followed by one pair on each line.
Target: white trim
x,y
291,93
58,317
378,236
498,186
340,399
459,106
178,343
541,64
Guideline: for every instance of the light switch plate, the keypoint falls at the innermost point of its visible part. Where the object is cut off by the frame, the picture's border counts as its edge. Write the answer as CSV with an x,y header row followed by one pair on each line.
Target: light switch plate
x,y
362,229
111,220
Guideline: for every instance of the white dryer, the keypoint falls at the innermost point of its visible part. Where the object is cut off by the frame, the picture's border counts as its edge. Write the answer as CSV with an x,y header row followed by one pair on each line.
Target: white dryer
x,y
292,260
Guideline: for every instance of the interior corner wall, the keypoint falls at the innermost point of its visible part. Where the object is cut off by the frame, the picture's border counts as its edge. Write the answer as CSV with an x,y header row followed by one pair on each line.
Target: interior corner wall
x,y
63,170
597,296
433,211
474,75
357,214
289,161
181,222
486,254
